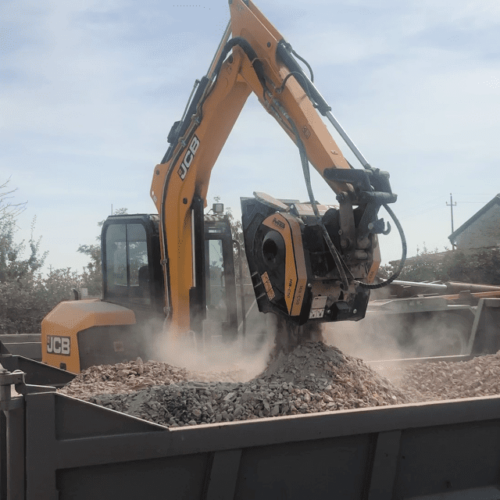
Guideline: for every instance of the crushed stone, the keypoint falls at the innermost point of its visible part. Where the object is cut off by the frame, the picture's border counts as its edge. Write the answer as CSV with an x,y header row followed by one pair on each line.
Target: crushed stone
x,y
135,375
433,381
313,378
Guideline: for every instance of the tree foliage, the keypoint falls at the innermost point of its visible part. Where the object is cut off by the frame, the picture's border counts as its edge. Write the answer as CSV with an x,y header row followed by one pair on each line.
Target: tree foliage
x,y
7,208
27,294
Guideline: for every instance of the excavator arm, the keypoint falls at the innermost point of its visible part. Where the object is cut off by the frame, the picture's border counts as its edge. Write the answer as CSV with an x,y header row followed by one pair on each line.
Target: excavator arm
x,y
257,59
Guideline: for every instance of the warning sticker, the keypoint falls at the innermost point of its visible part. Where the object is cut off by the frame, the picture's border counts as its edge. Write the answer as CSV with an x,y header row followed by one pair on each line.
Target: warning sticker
x,y
268,286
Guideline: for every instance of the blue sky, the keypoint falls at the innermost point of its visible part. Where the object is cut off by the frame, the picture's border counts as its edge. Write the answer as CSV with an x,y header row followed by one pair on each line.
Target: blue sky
x,y
90,89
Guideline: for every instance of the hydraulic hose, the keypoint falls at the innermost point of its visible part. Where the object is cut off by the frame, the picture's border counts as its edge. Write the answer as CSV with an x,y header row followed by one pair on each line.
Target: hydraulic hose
x,y
325,109
307,177
403,256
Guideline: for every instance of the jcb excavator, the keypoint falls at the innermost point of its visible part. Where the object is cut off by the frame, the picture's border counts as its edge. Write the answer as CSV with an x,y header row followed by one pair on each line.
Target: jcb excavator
x,y
309,263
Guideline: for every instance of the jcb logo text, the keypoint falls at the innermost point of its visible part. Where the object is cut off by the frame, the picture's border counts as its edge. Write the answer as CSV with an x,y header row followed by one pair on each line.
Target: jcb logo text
x,y
58,345
188,157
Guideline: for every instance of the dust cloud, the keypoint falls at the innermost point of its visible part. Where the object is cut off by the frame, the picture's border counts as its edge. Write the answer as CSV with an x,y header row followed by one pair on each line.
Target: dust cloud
x,y
384,340
378,337
402,336
361,340
244,358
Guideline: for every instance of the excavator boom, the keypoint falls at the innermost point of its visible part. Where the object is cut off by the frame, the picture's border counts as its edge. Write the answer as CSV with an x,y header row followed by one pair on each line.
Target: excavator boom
x,y
325,259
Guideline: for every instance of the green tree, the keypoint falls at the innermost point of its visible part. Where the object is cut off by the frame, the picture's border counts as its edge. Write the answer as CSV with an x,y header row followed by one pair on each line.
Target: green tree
x,y
26,294
11,265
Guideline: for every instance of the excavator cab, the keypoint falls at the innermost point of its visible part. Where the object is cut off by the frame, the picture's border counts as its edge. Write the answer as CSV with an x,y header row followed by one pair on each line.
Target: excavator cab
x,y
131,270
129,319
133,278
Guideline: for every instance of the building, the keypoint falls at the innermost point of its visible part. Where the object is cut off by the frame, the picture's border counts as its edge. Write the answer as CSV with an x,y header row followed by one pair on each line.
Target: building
x,y
482,230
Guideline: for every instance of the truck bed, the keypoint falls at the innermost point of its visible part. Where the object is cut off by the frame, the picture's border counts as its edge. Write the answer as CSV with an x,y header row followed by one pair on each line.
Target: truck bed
x,y
63,448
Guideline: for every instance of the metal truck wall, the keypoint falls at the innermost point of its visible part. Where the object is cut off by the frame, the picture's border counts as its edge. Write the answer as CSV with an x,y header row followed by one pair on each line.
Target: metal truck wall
x,y
23,344
445,450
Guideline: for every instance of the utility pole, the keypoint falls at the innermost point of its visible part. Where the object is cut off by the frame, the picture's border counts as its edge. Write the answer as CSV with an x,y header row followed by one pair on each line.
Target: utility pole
x,y
451,205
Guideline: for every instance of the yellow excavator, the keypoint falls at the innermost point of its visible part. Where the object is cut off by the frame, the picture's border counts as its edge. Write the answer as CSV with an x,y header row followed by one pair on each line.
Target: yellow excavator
x,y
309,263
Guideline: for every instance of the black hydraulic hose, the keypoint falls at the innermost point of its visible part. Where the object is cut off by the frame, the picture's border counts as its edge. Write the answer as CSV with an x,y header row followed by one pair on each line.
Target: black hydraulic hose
x,y
403,256
306,63
199,97
289,47
188,113
203,84
307,176
282,52
305,85
250,53
322,105
341,266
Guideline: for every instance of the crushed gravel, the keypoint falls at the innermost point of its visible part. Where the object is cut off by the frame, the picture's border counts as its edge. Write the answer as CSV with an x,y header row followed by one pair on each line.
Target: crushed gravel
x,y
313,378
133,376
451,380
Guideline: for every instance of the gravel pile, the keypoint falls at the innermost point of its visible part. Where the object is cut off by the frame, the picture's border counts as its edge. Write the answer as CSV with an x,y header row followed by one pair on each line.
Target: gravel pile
x,y
313,378
465,379
136,375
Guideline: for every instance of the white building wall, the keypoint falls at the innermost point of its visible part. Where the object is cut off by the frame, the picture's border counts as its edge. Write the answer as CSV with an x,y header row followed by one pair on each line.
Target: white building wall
x,y
483,232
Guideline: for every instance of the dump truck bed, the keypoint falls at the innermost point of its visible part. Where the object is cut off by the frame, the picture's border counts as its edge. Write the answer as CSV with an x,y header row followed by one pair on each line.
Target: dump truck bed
x,y
60,447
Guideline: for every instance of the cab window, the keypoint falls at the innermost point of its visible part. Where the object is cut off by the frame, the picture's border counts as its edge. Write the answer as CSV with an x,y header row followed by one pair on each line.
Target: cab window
x,y
127,266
